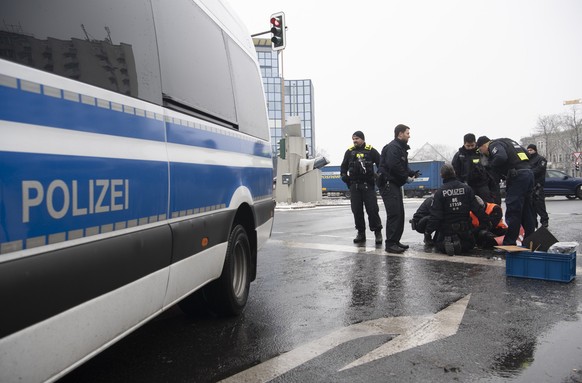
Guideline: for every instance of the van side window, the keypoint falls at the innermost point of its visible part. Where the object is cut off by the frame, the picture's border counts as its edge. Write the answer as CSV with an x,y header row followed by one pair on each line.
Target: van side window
x,y
193,59
107,43
250,100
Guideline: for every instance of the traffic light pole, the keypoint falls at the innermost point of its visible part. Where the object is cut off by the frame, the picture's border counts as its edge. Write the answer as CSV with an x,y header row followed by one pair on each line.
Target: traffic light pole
x,y
261,33
282,94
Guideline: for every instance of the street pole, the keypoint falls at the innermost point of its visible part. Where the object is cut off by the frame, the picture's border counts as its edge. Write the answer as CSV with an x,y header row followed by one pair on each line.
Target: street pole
x,y
282,94
575,155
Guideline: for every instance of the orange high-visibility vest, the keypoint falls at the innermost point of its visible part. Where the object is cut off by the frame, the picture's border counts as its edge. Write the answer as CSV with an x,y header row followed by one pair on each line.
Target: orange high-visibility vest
x,y
488,210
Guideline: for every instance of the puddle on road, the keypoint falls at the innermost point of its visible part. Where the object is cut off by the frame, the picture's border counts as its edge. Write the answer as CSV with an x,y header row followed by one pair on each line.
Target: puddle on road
x,y
557,355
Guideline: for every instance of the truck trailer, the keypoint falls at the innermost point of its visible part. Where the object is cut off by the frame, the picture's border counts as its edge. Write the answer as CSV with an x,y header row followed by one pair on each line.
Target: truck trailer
x,y
332,184
428,181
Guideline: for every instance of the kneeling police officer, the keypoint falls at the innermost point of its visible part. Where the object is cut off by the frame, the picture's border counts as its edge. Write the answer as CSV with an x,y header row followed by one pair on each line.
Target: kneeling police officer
x,y
357,171
450,214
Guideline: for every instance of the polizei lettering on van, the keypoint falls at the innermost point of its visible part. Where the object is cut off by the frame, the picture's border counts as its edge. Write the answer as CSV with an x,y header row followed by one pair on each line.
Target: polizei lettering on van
x,y
60,198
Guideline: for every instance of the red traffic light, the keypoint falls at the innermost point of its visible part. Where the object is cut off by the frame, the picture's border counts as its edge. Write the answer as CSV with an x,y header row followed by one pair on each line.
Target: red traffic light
x,y
278,31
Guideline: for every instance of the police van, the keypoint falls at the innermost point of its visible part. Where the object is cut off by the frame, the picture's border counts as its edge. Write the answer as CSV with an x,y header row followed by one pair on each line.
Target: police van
x,y
135,172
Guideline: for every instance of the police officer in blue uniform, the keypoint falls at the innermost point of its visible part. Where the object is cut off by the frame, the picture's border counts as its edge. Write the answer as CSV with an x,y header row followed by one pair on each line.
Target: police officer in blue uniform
x,y
357,171
393,173
510,161
420,220
450,214
538,166
470,170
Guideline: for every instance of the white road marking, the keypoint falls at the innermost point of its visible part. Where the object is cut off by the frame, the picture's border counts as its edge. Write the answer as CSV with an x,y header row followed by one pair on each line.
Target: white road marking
x,y
419,331
410,253
375,251
412,332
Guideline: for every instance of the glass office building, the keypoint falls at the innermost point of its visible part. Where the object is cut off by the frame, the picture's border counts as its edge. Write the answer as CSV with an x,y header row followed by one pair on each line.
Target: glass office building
x,y
298,97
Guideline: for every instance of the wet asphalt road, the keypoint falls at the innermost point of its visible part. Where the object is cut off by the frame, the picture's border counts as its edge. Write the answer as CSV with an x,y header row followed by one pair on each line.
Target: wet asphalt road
x,y
325,310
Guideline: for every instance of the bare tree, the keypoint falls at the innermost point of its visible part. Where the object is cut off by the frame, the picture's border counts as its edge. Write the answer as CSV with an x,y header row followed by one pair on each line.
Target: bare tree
x,y
573,130
546,128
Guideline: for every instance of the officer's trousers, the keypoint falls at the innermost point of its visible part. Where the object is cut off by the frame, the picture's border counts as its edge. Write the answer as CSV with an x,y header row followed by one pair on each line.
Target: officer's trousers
x,y
483,192
365,195
539,198
394,204
519,209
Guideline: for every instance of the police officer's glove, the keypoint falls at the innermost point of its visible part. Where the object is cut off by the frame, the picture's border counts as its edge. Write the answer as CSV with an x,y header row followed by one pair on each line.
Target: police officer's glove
x,y
413,224
512,173
380,180
416,174
345,178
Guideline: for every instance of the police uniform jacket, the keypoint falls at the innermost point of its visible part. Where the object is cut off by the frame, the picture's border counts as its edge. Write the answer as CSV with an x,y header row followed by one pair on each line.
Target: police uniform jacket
x,y
358,164
423,210
394,163
451,207
538,166
506,155
468,167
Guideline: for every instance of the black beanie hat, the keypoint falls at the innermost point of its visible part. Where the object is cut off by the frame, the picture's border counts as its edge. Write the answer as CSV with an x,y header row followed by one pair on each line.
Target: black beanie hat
x,y
482,140
360,134
532,146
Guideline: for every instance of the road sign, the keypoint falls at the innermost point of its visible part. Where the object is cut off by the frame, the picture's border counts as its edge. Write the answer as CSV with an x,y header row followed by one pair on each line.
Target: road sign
x,y
573,102
577,155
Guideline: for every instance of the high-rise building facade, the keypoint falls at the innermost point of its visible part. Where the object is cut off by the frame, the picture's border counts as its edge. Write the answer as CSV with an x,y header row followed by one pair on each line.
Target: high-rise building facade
x,y
299,100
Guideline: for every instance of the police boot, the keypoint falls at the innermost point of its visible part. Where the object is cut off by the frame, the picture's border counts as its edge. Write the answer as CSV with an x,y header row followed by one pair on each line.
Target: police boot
x,y
449,247
361,237
456,244
428,239
378,234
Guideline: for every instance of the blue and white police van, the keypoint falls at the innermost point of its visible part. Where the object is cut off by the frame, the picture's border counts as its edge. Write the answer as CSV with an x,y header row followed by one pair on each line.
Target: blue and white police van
x,y
135,172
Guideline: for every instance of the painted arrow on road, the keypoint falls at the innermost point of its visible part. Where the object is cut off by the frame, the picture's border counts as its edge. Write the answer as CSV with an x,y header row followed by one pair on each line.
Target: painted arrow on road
x,y
411,332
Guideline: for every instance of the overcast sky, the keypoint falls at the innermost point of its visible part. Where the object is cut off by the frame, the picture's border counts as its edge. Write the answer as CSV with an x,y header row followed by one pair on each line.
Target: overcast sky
x,y
444,68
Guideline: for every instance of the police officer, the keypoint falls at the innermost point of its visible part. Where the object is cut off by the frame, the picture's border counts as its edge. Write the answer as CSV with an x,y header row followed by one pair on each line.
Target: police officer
x,y
470,170
420,220
393,174
450,214
538,165
511,162
357,171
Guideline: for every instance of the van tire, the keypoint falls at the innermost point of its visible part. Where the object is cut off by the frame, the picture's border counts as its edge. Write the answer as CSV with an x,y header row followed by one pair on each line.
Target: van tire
x,y
228,295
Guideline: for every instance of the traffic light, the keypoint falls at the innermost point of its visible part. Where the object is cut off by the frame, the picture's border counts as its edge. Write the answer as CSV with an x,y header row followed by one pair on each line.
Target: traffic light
x,y
278,31
577,166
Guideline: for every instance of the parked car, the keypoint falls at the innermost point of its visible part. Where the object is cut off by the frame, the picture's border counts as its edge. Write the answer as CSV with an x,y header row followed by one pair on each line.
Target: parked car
x,y
560,183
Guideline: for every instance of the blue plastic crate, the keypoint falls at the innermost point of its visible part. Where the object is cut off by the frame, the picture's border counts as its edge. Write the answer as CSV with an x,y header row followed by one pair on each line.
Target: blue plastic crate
x,y
541,265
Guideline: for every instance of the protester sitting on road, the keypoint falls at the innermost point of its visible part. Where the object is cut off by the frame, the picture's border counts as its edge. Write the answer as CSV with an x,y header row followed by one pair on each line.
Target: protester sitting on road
x,y
486,238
